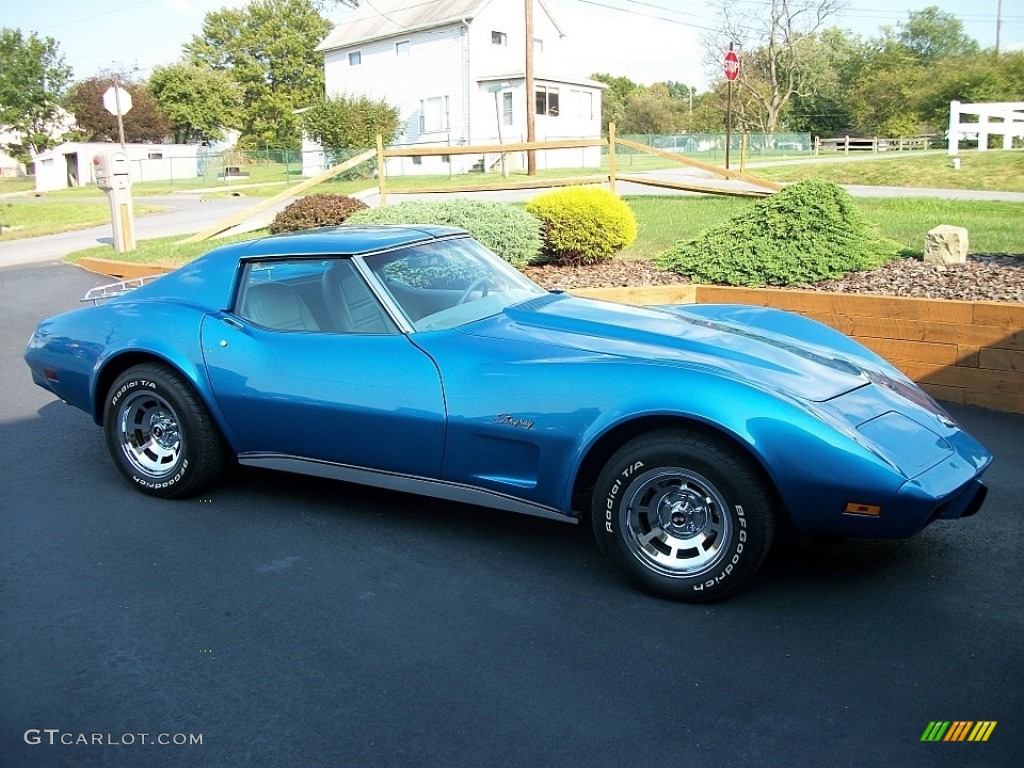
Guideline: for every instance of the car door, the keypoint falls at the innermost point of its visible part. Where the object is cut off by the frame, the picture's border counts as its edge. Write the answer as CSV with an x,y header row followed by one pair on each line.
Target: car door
x,y
298,375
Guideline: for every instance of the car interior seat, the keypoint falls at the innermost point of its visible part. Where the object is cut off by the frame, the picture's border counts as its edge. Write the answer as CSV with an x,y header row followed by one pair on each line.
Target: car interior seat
x,y
277,306
350,305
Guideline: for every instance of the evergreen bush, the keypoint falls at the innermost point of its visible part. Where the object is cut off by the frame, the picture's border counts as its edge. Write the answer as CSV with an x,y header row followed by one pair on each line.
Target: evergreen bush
x,y
583,225
315,211
506,229
807,232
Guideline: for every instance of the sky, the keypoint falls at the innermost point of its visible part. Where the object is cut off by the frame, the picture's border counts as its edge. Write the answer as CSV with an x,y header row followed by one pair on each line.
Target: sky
x,y
645,40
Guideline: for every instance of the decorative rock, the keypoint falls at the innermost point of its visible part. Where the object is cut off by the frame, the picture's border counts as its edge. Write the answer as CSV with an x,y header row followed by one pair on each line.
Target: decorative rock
x,y
945,246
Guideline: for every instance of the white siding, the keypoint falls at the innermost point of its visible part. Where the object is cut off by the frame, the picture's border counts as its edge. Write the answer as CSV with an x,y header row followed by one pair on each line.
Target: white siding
x,y
462,63
435,68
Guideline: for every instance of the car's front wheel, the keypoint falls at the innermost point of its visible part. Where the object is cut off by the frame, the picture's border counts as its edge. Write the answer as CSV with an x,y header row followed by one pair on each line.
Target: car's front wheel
x,y
160,434
684,515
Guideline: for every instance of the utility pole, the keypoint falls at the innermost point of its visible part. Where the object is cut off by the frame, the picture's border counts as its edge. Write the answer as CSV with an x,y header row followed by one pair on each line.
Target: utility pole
x,y
999,24
531,106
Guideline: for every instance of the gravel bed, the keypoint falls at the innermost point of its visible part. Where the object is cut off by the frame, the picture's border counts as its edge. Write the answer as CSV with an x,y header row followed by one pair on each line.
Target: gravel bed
x,y
985,277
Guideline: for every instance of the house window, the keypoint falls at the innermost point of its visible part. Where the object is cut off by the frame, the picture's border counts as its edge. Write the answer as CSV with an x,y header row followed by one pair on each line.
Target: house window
x,y
506,99
402,49
499,38
434,114
355,58
547,101
155,156
584,104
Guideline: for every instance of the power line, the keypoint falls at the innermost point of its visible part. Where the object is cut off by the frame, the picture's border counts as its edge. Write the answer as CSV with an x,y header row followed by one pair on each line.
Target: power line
x,y
96,15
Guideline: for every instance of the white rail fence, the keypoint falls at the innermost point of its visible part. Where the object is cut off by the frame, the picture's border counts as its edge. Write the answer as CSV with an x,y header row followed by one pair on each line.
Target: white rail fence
x,y
1005,118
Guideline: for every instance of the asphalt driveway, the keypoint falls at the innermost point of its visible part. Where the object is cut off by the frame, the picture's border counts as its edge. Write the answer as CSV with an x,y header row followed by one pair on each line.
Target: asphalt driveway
x,y
284,621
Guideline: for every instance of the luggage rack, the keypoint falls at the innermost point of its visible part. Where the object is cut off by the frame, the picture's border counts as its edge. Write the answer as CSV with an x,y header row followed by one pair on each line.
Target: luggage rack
x,y
110,290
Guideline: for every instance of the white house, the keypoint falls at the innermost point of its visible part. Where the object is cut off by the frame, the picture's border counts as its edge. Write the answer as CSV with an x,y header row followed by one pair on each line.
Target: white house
x,y
9,166
456,71
71,164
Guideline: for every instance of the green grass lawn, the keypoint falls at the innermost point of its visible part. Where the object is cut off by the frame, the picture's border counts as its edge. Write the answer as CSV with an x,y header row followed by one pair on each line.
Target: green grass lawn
x,y
993,227
992,170
10,184
162,250
32,217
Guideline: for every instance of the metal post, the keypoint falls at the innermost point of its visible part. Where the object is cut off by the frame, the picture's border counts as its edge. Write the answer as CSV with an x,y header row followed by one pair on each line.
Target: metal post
x,y
728,122
120,118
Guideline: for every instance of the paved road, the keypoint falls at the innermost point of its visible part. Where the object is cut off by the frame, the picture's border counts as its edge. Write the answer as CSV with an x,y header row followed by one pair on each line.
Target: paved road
x,y
294,622
185,214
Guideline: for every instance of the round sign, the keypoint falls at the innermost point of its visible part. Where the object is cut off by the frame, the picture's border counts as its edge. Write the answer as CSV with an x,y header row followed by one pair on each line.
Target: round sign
x,y
732,66
113,96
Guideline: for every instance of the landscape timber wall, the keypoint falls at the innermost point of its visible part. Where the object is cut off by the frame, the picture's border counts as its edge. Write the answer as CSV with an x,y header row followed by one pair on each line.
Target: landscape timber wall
x,y
959,351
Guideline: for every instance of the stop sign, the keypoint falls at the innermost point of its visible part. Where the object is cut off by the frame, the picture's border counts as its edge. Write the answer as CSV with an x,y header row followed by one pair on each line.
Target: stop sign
x,y
114,96
732,66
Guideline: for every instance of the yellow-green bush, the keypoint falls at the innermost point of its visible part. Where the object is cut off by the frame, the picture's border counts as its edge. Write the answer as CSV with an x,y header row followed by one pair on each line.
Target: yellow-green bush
x,y
583,225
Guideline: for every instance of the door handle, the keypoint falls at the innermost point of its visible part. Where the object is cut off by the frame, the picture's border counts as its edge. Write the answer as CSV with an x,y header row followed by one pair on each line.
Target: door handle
x,y
233,323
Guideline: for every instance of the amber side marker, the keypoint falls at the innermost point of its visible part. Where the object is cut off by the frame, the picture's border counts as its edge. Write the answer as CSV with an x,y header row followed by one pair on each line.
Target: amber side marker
x,y
863,509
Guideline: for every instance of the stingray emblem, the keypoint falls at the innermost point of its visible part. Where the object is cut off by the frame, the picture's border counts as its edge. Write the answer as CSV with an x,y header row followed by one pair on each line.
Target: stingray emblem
x,y
511,421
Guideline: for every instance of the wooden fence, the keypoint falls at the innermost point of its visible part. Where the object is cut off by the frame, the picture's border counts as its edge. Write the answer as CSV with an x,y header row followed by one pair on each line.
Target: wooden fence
x,y
756,187
959,351
848,144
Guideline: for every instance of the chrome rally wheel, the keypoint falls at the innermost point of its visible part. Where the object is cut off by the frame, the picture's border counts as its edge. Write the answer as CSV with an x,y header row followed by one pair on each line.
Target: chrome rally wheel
x,y
675,521
149,436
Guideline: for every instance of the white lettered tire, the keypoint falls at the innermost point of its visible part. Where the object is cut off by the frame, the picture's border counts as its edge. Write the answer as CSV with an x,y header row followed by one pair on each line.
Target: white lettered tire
x,y
684,515
160,434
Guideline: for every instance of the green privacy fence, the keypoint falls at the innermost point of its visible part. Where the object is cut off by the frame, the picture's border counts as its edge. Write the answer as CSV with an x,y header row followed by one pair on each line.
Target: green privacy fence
x,y
710,147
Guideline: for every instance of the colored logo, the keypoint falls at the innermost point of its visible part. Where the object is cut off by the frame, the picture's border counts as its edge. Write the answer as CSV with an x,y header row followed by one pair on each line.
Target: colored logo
x,y
959,730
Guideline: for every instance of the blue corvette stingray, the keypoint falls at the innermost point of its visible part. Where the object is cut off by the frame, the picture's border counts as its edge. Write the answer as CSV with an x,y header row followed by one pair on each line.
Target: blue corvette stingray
x,y
412,358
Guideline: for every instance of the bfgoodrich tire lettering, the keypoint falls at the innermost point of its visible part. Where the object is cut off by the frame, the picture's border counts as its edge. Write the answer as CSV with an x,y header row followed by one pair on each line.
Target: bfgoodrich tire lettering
x,y
684,515
160,434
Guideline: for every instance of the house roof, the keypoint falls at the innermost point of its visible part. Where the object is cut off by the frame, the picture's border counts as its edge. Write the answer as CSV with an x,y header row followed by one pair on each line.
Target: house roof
x,y
381,19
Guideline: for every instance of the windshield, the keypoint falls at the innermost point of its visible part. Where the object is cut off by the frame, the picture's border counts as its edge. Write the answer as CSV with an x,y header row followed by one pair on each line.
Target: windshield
x,y
450,282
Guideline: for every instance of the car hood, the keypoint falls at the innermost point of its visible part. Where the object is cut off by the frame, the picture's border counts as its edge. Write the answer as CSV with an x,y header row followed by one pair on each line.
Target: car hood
x,y
730,342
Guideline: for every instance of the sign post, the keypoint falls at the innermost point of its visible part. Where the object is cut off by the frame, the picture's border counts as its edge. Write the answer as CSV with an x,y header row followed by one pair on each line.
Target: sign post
x,y
732,70
111,170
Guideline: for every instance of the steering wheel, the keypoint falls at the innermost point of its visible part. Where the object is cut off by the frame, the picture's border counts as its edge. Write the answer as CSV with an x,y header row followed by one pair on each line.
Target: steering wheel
x,y
481,283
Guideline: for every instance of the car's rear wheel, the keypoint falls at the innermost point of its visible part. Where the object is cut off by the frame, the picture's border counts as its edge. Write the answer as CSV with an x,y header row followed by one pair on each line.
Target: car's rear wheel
x,y
684,515
160,434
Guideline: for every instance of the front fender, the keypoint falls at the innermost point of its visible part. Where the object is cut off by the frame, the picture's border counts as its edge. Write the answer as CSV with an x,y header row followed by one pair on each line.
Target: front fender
x,y
816,464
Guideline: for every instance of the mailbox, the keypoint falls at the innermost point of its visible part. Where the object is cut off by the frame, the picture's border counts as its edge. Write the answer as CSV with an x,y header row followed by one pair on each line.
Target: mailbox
x,y
111,169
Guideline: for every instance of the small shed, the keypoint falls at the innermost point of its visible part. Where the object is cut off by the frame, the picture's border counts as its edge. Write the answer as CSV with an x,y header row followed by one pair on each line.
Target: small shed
x,y
70,164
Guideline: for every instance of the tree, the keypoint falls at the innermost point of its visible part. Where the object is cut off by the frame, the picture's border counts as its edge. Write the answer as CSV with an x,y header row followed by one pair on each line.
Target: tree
x,y
652,110
199,102
777,43
613,100
33,81
268,49
351,122
931,34
143,123
824,110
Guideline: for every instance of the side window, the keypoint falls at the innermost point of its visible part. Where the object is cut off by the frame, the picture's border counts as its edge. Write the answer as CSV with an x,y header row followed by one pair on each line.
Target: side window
x,y
312,295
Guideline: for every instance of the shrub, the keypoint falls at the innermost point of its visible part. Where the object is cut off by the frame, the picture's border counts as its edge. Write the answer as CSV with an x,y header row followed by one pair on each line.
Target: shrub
x,y
315,211
506,229
583,225
809,231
